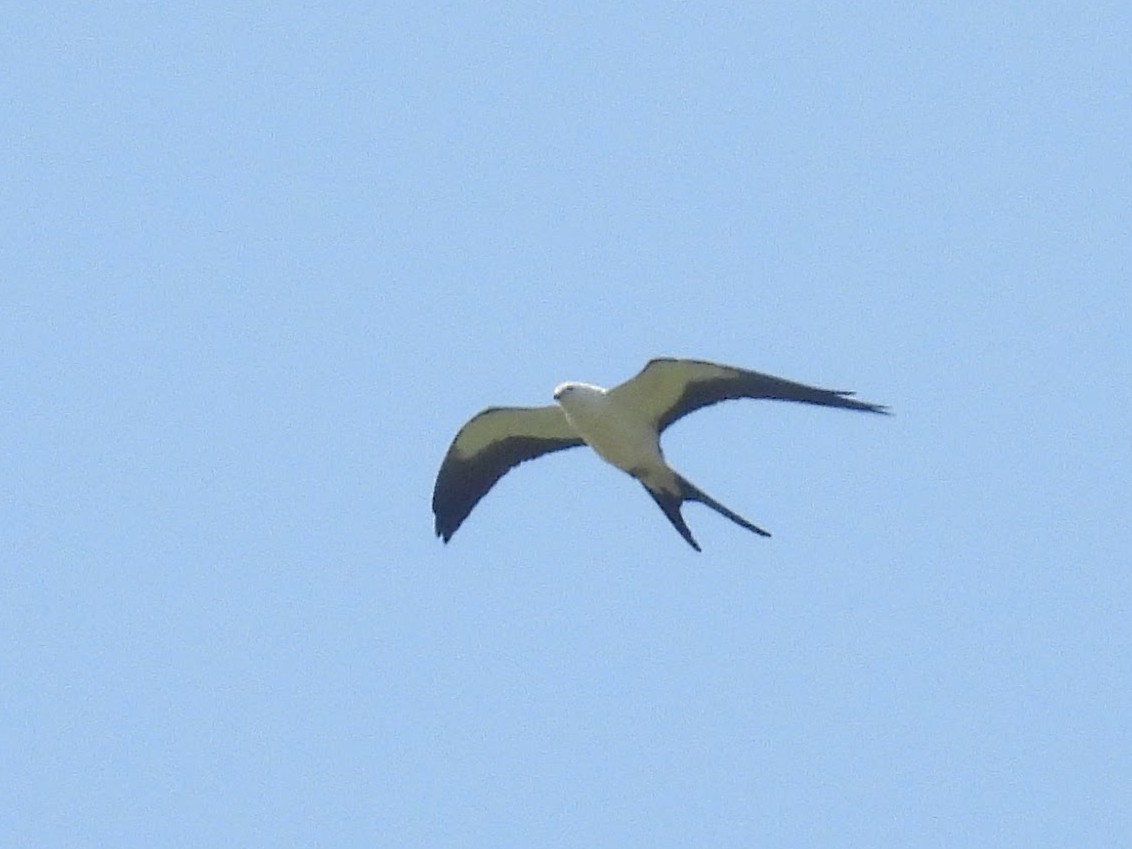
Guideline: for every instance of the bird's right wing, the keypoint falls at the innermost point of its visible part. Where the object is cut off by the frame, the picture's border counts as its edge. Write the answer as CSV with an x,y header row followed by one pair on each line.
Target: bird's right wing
x,y
486,448
666,390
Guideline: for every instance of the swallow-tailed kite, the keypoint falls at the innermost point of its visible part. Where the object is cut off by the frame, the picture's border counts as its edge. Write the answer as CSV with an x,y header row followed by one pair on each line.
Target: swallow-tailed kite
x,y
623,425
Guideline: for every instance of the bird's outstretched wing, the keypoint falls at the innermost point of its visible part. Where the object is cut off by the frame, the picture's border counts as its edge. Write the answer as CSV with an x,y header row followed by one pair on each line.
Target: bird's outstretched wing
x,y
486,448
668,389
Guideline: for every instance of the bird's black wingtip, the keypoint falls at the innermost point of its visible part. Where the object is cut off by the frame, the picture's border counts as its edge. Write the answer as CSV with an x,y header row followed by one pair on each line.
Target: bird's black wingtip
x,y
852,403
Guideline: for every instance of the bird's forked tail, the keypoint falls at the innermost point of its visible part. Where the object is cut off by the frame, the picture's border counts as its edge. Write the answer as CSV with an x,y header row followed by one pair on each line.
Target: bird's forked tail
x,y
670,503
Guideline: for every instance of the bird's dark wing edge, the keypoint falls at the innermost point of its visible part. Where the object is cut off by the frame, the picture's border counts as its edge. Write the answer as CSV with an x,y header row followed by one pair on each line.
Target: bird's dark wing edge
x,y
464,480
724,383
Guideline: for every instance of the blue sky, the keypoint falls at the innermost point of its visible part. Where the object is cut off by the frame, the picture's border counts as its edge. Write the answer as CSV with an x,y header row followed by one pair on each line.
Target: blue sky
x,y
261,262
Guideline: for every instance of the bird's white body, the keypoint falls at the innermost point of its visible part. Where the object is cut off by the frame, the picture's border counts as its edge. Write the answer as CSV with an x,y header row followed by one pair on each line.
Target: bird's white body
x,y
616,431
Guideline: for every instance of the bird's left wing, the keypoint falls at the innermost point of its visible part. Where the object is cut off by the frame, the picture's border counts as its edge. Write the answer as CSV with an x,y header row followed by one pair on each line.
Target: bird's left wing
x,y
486,448
668,389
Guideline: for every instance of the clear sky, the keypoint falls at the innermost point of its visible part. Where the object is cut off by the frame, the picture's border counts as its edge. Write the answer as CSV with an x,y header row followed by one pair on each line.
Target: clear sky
x,y
258,265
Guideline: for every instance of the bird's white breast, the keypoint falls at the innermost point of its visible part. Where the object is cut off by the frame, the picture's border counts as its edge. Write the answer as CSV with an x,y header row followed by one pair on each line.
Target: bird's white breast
x,y
619,437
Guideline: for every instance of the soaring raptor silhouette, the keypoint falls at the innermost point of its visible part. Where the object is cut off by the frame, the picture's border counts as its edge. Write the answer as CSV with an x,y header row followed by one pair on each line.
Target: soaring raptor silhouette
x,y
623,425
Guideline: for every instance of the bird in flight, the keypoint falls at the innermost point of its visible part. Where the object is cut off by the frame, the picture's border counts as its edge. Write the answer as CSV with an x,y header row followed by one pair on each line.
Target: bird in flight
x,y
623,425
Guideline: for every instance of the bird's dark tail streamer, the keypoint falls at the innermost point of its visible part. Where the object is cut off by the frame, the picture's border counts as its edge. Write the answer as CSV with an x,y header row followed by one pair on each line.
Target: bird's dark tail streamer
x,y
671,503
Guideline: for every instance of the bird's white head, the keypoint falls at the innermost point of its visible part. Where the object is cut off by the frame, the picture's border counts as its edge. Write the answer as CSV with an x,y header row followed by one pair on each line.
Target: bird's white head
x,y
575,392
